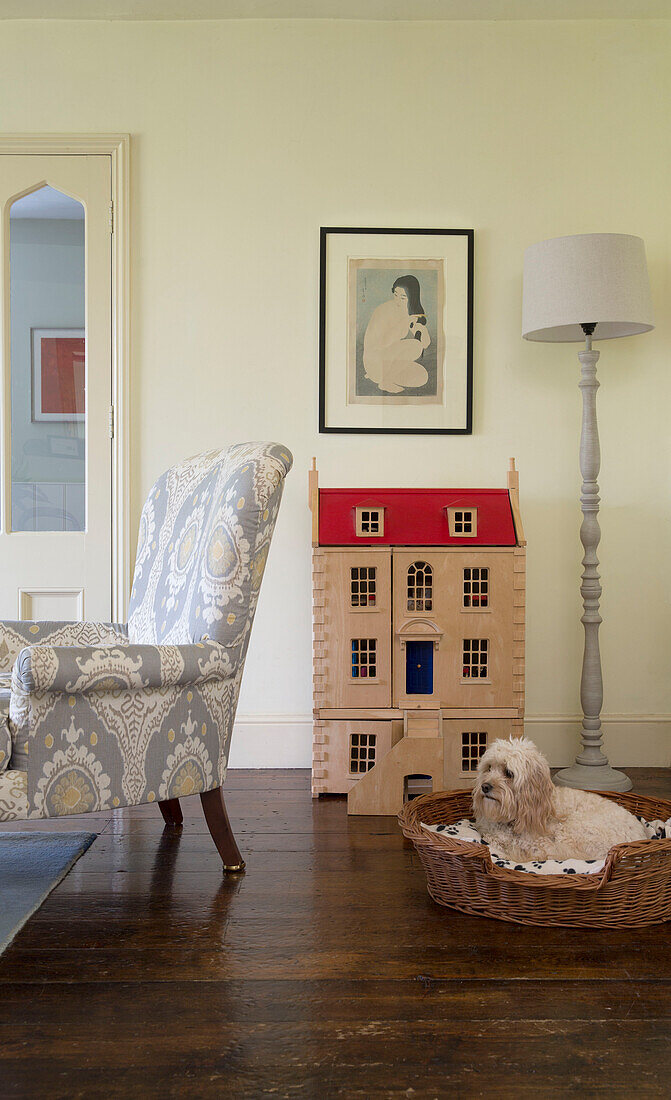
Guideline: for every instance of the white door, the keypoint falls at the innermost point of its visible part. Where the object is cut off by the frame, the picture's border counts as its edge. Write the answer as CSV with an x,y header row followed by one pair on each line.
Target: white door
x,y
55,535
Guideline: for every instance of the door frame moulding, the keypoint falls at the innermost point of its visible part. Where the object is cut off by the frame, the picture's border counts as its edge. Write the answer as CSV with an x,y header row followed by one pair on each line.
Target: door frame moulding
x,y
117,147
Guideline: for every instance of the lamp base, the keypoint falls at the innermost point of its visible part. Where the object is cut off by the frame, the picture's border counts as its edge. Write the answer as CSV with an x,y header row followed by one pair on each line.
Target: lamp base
x,y
586,778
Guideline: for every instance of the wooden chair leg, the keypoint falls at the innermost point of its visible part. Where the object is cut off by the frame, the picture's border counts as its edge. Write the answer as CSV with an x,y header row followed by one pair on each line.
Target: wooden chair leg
x,y
220,829
172,811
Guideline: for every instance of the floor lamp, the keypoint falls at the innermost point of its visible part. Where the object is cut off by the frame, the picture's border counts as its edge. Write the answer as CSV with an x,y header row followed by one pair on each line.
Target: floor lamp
x,y
590,286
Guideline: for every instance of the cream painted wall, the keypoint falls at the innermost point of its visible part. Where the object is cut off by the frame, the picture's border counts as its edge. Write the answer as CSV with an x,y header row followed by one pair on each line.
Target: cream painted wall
x,y
247,136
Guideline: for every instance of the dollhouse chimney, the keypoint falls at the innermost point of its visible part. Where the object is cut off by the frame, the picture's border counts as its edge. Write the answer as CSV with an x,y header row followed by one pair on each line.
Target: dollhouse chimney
x,y
513,476
313,498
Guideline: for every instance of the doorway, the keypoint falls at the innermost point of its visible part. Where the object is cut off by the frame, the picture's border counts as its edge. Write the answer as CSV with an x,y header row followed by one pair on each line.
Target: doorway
x,y
415,785
63,536
419,668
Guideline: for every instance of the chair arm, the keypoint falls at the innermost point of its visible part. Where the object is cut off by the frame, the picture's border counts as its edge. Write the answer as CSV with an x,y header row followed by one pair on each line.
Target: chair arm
x,y
100,749
15,635
83,669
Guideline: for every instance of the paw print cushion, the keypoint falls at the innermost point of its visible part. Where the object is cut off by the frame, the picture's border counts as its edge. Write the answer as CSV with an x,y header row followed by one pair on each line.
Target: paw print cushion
x,y
465,830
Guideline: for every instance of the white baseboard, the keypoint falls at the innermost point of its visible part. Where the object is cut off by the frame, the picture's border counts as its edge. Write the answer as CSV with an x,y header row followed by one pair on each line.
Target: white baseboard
x,y
630,740
271,741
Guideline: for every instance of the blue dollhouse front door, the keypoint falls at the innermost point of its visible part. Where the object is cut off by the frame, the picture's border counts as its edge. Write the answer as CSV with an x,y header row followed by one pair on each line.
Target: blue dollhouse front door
x,y
419,668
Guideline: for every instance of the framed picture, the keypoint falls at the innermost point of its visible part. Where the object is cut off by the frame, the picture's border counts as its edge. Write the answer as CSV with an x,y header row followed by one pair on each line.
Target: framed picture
x,y
396,331
58,374
66,446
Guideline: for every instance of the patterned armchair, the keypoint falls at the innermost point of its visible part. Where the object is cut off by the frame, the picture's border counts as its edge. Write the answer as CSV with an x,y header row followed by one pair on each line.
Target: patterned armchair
x,y
99,715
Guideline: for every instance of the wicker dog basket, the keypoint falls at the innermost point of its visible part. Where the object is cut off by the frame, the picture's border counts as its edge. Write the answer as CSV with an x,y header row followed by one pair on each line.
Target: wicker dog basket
x,y
632,890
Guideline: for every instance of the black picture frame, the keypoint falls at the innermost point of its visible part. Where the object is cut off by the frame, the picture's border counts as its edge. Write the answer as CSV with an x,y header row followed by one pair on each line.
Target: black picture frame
x,y
352,344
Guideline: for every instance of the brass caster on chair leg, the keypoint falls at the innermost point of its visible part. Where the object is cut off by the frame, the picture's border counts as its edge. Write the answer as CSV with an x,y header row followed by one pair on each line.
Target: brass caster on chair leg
x,y
235,868
220,831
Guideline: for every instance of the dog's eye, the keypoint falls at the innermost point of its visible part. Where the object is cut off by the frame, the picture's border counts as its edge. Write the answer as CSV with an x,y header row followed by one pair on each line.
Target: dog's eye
x,y
509,774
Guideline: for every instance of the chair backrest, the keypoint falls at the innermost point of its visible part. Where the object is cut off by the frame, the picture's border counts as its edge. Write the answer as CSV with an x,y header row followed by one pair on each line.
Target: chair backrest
x,y
204,537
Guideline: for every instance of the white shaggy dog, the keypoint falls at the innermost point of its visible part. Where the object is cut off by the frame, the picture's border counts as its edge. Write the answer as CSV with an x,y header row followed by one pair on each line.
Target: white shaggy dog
x,y
523,816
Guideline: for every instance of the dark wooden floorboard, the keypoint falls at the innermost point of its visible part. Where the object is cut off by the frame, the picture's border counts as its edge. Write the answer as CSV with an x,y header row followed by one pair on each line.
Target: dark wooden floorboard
x,y
325,970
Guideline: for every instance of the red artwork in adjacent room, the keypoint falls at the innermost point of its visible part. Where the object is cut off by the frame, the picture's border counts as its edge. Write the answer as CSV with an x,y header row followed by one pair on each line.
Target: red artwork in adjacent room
x,y
59,359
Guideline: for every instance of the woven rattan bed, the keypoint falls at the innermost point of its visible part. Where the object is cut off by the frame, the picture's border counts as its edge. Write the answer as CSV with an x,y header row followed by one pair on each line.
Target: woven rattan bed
x,y
632,890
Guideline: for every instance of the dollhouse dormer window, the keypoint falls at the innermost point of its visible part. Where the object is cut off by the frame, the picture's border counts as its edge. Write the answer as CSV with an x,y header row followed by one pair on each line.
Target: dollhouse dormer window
x,y
370,523
463,522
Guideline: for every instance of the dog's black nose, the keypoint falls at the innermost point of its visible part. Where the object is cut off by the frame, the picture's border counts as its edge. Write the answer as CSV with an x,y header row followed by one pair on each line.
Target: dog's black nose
x,y
486,788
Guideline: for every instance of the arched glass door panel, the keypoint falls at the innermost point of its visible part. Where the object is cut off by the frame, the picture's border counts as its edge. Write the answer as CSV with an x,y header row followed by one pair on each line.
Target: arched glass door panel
x,y
56,386
48,362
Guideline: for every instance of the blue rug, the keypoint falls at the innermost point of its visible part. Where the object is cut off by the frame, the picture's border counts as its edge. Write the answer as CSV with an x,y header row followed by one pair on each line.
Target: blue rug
x,y
31,865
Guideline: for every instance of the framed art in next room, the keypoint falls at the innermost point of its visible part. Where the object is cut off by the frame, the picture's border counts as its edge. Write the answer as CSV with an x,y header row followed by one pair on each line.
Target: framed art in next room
x,y
396,331
58,374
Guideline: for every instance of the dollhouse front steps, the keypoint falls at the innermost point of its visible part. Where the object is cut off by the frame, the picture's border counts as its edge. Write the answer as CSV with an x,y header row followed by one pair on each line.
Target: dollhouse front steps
x,y
422,723
384,788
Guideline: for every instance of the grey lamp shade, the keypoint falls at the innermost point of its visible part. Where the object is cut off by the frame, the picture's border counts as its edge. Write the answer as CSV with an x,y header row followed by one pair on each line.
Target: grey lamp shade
x,y
570,281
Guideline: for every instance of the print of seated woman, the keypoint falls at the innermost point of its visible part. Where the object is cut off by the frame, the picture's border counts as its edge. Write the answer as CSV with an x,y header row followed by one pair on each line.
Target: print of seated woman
x,y
395,339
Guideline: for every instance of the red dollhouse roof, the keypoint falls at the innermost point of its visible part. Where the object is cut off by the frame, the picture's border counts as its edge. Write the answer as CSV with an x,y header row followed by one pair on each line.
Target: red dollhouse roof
x,y
415,517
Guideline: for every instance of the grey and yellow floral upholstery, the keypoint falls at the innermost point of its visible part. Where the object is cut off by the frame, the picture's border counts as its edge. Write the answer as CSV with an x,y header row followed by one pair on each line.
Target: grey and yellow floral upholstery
x,y
5,736
99,715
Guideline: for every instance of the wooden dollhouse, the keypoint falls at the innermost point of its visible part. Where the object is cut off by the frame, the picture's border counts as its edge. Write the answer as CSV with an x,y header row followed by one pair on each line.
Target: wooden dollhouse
x,y
418,627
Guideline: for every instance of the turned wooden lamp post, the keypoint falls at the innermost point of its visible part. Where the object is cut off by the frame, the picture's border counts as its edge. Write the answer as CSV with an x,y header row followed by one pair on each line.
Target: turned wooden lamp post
x,y
589,286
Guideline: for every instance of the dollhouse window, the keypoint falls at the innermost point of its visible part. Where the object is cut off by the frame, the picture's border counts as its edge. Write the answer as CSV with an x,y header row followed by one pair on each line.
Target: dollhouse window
x,y
463,522
420,587
473,746
475,658
361,752
362,585
476,587
364,658
370,522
